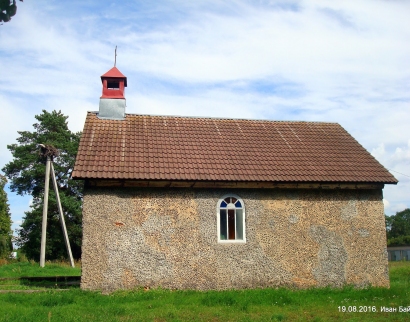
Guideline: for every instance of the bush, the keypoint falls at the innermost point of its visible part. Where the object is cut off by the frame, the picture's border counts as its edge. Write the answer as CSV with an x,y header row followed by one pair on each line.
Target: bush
x,y
21,257
399,241
6,246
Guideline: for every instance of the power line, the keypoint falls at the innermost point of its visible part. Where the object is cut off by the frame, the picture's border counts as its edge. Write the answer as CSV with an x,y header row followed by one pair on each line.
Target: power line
x,y
399,173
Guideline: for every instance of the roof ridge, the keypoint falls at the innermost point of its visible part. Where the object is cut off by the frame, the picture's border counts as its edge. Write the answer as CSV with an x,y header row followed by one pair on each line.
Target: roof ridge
x,y
224,118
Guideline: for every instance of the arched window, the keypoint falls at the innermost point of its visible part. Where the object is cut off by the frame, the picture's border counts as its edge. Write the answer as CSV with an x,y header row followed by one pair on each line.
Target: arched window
x,y
231,219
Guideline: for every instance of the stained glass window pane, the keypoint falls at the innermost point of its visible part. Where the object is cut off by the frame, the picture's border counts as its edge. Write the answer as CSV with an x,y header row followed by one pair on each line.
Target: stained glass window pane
x,y
231,220
231,223
222,225
239,224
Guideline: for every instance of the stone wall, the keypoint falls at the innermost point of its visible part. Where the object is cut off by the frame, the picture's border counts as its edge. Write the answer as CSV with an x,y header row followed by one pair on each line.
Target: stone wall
x,y
168,237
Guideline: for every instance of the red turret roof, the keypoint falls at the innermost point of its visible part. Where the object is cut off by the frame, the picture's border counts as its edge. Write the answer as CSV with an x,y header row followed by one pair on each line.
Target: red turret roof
x,y
114,73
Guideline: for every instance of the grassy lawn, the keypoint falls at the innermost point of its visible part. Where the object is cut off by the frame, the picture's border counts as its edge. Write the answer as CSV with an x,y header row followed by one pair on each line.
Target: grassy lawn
x,y
32,269
246,305
11,271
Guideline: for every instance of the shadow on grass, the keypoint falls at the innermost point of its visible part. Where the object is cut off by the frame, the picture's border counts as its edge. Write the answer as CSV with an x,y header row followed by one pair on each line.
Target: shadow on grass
x,y
47,282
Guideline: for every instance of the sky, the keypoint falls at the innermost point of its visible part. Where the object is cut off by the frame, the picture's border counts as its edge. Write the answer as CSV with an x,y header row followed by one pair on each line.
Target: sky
x,y
330,61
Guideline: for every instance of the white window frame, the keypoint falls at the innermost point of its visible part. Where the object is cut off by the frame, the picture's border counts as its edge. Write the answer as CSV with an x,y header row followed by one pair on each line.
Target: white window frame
x,y
218,208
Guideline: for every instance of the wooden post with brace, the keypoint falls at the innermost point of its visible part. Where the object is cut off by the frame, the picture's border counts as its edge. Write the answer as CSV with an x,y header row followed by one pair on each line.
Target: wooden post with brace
x,y
50,152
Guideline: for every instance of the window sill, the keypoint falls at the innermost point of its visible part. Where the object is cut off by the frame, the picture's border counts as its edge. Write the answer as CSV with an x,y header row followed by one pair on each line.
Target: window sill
x,y
232,241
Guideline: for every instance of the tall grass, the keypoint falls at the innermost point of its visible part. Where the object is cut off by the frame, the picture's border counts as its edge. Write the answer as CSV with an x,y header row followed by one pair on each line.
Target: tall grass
x,y
240,305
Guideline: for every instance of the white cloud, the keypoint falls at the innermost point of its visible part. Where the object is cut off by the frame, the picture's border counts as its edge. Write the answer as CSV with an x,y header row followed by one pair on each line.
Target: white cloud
x,y
402,153
397,160
386,203
379,151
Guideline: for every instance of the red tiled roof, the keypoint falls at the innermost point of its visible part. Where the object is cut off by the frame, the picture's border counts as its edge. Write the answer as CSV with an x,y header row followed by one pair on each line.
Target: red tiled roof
x,y
144,147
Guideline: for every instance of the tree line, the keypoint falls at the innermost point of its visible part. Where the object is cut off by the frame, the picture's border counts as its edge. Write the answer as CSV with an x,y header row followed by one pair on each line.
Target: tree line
x,y
5,222
398,228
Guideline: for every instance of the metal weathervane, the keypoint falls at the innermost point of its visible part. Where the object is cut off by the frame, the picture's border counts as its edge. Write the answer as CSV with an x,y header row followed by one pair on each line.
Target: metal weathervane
x,y
115,56
50,152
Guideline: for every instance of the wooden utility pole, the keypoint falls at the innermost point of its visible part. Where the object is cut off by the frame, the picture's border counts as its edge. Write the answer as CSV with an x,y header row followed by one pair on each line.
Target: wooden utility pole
x,y
45,207
62,221
50,152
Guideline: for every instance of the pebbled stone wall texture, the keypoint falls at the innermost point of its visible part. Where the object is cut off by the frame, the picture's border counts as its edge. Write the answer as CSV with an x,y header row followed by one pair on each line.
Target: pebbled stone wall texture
x,y
167,237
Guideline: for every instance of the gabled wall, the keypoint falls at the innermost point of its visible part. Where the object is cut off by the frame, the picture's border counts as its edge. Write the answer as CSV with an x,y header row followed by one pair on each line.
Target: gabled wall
x,y
167,237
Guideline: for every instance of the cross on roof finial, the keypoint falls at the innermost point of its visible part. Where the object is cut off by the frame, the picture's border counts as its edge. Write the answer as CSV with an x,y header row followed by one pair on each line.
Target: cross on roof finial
x,y
115,57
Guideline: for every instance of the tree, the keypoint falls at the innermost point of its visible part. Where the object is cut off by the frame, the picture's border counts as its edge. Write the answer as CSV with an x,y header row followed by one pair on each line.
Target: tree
x,y
398,228
6,245
8,9
27,172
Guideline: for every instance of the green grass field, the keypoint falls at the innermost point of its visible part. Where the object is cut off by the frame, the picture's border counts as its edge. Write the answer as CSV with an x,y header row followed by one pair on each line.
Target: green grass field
x,y
31,268
246,305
